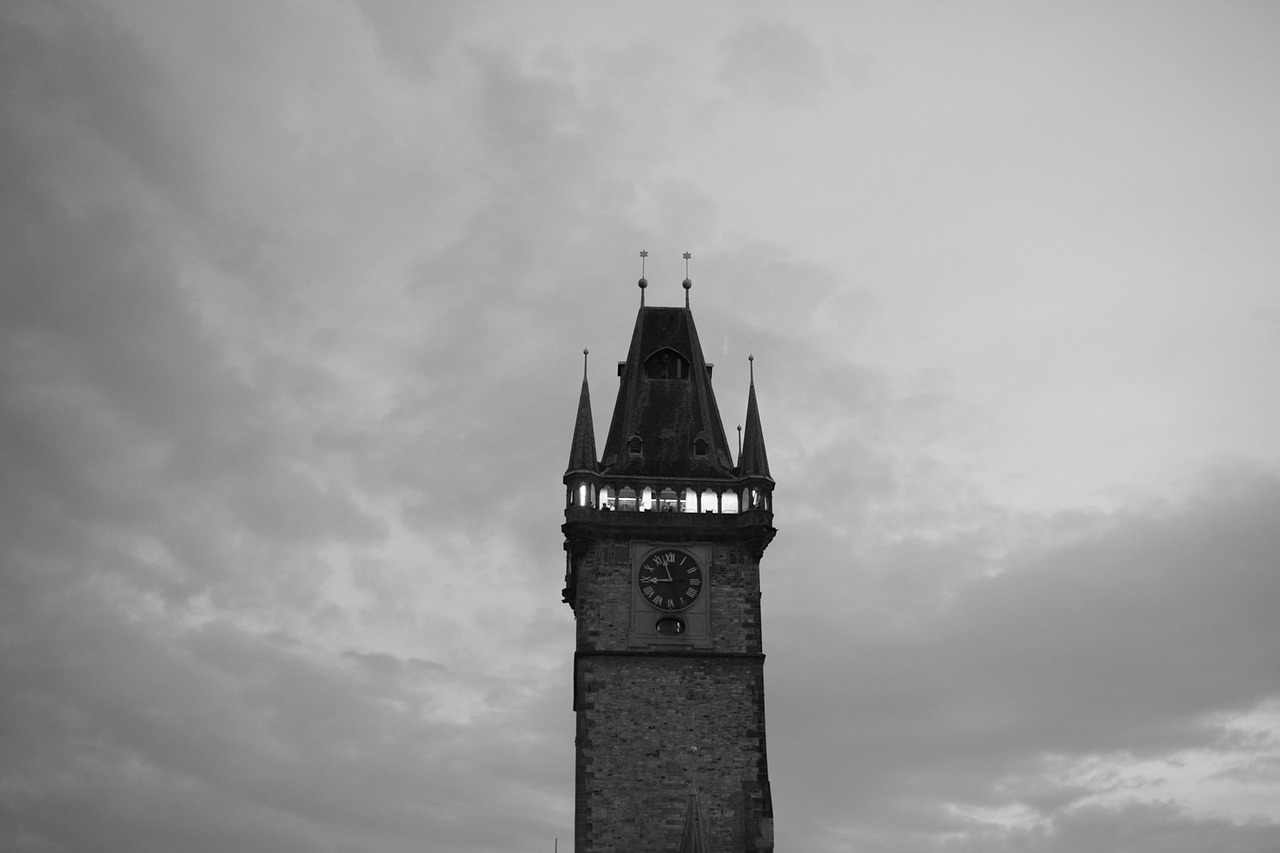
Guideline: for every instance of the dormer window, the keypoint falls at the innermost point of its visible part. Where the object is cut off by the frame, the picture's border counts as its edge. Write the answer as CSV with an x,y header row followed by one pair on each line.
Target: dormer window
x,y
635,446
666,363
700,447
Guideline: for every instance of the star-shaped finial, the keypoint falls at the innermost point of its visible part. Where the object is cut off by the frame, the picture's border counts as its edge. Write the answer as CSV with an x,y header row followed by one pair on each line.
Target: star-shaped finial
x,y
686,283
644,253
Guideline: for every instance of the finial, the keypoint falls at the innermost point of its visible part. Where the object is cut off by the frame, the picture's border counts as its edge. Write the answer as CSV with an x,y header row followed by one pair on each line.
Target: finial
x,y
751,366
739,442
687,283
643,281
584,363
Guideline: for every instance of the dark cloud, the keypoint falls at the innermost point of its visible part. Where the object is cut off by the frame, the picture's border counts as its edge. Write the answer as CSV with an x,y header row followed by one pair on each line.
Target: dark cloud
x,y
1129,638
238,738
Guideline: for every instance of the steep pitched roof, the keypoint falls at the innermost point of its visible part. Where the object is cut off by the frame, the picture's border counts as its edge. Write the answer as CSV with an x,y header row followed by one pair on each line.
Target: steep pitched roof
x,y
666,402
753,461
582,453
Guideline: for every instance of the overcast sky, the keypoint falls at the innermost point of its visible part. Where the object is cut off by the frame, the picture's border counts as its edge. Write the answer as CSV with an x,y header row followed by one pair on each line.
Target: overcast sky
x,y
293,298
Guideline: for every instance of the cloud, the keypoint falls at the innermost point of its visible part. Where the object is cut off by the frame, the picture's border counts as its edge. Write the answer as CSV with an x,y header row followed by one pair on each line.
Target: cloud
x,y
291,324
1133,827
1123,639
777,64
240,738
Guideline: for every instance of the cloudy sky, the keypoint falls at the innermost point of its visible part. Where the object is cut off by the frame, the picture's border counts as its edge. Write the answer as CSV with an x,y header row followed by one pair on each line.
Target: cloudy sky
x,y
292,303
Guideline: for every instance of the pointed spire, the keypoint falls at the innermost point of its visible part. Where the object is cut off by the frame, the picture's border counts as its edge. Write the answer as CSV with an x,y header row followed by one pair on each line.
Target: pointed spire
x,y
752,460
694,839
582,454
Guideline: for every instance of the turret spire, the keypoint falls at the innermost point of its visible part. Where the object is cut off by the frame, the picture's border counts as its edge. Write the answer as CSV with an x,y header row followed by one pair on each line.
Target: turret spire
x,y
694,838
582,454
752,460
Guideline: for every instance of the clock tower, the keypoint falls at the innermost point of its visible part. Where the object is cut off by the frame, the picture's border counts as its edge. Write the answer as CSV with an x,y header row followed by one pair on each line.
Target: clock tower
x,y
663,538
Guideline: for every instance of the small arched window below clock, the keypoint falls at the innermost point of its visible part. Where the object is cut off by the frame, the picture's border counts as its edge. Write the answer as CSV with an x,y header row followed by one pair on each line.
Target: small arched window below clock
x,y
635,446
700,447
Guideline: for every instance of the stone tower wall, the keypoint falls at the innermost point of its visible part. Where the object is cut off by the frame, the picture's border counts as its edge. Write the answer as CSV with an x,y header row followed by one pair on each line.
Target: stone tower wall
x,y
655,724
652,728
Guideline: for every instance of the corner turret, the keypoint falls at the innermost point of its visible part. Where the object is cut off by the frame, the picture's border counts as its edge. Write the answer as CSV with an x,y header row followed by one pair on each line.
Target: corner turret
x,y
753,462
582,453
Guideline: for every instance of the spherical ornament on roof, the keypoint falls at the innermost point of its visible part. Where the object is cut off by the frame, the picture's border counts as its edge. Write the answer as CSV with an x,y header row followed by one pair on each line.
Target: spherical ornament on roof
x,y
687,284
644,282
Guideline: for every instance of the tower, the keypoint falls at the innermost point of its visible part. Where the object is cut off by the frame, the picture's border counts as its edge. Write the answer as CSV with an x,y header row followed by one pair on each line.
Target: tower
x,y
663,539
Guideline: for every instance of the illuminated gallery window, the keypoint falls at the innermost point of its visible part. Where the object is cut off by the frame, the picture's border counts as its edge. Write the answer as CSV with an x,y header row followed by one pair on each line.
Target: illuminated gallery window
x,y
709,502
627,499
729,502
667,500
690,501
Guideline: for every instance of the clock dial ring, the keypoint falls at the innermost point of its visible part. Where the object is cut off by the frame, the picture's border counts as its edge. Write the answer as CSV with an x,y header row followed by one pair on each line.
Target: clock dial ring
x,y
670,579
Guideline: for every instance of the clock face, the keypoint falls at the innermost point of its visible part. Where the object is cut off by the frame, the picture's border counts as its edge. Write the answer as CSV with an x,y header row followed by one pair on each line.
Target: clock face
x,y
670,579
